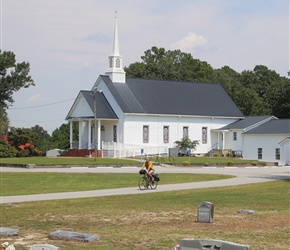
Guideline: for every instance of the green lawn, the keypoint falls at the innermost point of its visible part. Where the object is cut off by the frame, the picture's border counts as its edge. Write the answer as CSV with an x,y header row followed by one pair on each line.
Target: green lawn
x,y
54,161
40,183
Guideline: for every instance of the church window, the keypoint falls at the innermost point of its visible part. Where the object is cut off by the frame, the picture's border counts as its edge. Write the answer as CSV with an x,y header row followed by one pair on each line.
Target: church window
x,y
235,136
111,62
277,153
118,63
166,134
204,135
145,134
115,133
260,153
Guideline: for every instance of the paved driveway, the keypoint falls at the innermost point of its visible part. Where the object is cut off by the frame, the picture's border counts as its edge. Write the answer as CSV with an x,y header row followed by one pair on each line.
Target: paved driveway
x,y
243,175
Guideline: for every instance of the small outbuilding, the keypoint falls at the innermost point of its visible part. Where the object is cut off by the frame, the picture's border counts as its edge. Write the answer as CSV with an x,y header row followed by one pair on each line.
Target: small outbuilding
x,y
53,152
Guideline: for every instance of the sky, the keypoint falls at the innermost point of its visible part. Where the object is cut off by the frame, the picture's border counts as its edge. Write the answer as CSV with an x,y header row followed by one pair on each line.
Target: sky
x,y
67,42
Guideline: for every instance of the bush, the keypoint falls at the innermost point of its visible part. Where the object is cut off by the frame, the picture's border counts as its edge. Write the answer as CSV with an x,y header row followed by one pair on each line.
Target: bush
x,y
6,150
229,155
185,163
216,155
254,163
206,164
230,163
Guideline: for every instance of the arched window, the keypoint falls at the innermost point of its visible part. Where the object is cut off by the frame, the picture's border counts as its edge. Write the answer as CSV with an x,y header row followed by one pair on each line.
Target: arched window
x,y
118,63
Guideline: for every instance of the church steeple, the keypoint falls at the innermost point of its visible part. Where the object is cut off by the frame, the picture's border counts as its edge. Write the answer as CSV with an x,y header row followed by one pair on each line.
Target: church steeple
x,y
115,70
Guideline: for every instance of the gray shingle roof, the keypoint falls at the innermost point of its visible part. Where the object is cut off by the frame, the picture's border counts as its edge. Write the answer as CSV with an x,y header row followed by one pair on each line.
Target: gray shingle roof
x,y
245,123
280,126
105,112
149,96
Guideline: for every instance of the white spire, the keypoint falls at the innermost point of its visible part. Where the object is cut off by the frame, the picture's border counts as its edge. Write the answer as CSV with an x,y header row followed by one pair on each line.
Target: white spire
x,y
115,70
116,39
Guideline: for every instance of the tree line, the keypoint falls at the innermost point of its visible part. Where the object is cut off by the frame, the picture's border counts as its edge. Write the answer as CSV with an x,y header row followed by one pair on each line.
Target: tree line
x,y
256,92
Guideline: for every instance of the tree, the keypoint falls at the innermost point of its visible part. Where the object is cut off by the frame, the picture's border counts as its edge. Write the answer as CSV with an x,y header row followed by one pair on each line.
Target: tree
x,y
4,122
270,92
13,77
171,65
42,141
24,139
6,150
260,91
185,143
61,136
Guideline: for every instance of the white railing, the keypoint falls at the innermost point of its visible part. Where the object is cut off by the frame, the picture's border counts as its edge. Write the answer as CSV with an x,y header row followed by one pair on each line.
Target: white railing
x,y
124,150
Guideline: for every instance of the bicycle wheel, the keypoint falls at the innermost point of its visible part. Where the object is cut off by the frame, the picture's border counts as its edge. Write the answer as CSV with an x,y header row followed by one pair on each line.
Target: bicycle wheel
x,y
153,184
143,183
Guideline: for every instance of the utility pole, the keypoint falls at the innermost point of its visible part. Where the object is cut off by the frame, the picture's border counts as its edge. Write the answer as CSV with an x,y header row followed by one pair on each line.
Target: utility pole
x,y
96,90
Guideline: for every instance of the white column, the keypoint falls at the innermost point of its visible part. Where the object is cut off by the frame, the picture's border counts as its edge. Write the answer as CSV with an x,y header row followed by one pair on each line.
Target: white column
x,y
224,141
89,134
80,134
99,134
71,134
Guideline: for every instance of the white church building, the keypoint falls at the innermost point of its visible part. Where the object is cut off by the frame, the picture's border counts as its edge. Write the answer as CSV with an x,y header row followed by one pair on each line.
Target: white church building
x,y
126,117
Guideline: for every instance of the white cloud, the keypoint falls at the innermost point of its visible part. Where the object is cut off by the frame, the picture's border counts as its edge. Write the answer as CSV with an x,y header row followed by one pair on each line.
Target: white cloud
x,y
189,42
35,97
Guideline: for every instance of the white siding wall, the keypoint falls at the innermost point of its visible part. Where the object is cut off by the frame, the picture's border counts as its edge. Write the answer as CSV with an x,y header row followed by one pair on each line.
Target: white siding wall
x,y
285,153
230,143
81,108
268,143
133,129
83,129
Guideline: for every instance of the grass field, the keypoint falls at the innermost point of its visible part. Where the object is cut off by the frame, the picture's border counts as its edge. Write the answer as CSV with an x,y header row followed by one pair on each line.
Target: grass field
x,y
54,161
30,183
153,220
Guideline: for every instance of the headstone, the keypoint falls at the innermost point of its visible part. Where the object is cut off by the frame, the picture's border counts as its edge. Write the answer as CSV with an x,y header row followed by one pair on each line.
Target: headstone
x,y
68,235
205,211
246,211
209,244
43,247
5,231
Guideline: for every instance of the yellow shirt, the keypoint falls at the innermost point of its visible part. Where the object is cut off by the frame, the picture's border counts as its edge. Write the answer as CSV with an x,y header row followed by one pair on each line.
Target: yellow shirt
x,y
148,165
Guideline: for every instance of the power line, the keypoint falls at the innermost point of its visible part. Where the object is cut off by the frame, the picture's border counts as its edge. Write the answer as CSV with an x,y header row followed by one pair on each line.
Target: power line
x,y
39,121
38,106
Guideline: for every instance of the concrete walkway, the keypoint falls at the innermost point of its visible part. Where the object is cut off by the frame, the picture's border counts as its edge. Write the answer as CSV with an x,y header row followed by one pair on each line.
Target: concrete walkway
x,y
243,175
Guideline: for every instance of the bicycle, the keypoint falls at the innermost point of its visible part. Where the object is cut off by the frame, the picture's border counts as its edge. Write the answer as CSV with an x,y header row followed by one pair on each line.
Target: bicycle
x,y
145,181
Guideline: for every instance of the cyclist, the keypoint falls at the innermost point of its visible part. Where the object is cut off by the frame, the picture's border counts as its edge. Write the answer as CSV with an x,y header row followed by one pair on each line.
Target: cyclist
x,y
148,165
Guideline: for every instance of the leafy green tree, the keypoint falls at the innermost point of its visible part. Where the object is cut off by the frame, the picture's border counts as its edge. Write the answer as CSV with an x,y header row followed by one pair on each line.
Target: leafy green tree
x,y
185,143
170,65
4,122
277,96
60,137
272,92
260,91
6,150
13,77
229,79
250,103
24,139
42,141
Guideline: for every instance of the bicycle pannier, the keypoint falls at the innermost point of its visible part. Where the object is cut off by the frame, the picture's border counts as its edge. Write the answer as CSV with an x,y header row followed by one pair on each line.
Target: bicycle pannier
x,y
156,177
142,171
